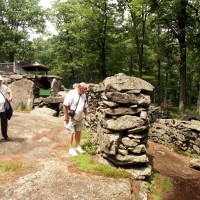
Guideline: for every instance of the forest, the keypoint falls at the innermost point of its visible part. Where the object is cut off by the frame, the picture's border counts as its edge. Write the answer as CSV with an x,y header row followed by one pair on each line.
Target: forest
x,y
156,40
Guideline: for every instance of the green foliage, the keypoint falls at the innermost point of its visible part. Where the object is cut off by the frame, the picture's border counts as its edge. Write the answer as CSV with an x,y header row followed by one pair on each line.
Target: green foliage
x,y
174,113
90,36
7,168
89,147
159,185
22,106
97,39
86,142
86,163
17,19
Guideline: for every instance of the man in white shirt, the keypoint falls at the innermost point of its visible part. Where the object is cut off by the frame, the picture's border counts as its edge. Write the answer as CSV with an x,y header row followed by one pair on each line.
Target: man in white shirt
x,y
4,93
75,101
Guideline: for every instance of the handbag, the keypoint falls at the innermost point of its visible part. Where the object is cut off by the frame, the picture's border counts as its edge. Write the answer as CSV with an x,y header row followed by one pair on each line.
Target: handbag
x,y
72,112
8,108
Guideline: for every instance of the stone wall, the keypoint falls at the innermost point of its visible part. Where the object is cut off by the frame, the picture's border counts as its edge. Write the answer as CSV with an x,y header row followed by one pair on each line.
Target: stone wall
x,y
185,135
118,118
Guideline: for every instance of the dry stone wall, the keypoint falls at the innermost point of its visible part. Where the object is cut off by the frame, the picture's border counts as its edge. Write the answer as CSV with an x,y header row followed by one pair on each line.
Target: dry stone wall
x,y
185,135
118,118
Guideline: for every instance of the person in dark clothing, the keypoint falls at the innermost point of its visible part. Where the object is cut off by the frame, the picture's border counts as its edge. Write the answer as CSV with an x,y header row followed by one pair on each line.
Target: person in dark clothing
x,y
5,92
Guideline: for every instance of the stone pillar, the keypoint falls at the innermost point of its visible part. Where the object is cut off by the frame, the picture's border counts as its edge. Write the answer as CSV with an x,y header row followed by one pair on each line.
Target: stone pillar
x,y
118,118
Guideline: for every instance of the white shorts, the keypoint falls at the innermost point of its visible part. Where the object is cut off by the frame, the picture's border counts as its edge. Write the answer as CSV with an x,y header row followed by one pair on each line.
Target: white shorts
x,y
72,126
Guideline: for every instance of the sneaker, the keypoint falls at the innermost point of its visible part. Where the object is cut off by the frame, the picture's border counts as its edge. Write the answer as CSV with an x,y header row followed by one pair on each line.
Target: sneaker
x,y
6,139
79,149
72,152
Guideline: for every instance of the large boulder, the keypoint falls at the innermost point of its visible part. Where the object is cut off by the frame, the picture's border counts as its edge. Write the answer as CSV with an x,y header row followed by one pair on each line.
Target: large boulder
x,y
22,92
44,111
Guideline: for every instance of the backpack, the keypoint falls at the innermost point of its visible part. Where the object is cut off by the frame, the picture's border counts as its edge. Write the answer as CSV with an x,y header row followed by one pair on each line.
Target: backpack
x,y
8,109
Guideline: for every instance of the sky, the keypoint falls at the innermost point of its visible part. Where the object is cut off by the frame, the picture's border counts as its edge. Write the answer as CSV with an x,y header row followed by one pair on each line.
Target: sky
x,y
46,3
50,28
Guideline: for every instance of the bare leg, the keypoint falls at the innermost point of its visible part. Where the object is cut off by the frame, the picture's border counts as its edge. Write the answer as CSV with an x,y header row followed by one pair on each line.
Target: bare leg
x,y
70,140
77,138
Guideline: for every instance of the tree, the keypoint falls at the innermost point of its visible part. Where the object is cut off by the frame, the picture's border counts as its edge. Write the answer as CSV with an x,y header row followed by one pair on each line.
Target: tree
x,y
175,15
17,18
86,36
139,12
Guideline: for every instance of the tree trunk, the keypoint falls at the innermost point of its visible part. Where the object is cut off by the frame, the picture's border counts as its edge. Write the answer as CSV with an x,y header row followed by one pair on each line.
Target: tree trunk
x,y
198,101
139,42
11,56
103,43
166,91
182,46
133,17
182,71
131,65
158,84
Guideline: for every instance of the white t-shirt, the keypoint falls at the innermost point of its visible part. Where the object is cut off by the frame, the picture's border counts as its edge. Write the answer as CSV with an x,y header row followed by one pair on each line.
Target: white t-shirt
x,y
5,90
71,100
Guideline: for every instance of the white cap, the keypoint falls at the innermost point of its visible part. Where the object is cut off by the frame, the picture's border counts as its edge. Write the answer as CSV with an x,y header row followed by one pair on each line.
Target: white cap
x,y
1,78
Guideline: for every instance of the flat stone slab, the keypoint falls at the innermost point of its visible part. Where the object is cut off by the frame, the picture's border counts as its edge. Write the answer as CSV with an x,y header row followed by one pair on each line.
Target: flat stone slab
x,y
121,82
124,122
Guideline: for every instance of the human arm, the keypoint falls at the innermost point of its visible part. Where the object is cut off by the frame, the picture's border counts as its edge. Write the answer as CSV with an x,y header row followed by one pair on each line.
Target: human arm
x,y
85,113
66,104
9,96
65,110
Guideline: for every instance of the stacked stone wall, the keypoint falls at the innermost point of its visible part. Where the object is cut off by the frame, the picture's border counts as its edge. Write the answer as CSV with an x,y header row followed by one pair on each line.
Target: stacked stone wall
x,y
118,110
185,135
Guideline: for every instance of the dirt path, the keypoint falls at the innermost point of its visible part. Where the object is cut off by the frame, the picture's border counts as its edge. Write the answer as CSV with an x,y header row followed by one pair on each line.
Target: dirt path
x,y
40,144
186,180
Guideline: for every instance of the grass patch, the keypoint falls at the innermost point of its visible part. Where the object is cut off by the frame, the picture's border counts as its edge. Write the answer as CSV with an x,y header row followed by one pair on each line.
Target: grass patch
x,y
86,142
10,167
192,111
89,147
86,163
184,153
22,107
174,113
159,185
85,135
